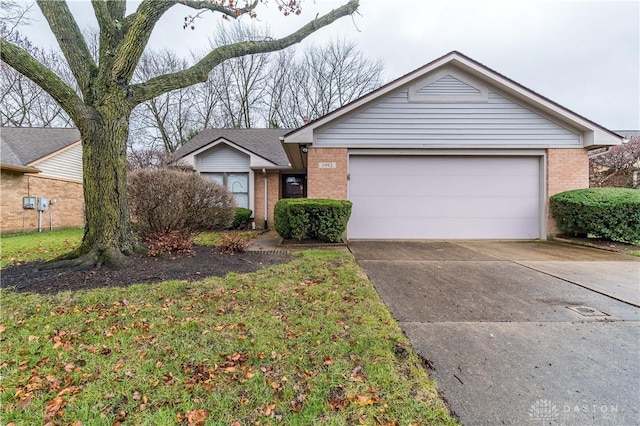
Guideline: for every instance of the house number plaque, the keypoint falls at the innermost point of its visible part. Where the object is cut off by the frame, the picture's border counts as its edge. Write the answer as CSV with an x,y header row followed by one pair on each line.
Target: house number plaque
x,y
326,165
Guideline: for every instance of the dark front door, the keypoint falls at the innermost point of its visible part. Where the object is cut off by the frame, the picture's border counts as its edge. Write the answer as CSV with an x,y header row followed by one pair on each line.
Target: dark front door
x,y
294,186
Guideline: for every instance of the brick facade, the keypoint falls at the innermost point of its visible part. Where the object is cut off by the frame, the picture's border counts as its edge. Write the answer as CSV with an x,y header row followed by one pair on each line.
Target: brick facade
x,y
67,212
273,195
327,182
566,169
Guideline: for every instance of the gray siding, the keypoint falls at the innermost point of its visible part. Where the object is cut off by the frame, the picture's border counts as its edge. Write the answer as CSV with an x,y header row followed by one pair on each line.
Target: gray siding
x,y
66,165
222,158
396,121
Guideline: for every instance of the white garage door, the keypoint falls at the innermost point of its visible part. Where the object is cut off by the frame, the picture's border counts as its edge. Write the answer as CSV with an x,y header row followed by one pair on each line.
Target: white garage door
x,y
396,197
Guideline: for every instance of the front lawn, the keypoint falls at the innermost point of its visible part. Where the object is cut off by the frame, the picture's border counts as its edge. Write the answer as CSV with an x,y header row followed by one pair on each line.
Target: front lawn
x,y
301,343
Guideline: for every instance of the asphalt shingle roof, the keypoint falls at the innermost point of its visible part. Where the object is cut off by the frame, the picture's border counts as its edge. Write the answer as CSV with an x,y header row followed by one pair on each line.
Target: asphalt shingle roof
x,y
262,142
21,146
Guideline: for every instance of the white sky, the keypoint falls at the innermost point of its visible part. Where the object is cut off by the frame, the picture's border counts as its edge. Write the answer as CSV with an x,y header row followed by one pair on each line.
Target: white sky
x,y
584,55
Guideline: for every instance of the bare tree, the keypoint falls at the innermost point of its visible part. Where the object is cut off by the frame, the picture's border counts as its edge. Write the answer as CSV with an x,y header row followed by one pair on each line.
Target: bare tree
x,y
107,95
167,120
24,103
243,89
617,166
326,78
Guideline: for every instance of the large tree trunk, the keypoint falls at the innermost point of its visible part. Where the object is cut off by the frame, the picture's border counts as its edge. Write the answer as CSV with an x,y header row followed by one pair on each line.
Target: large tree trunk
x,y
108,236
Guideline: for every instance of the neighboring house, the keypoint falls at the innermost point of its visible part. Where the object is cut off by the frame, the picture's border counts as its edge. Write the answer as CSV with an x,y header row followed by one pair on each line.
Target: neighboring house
x,y
452,150
41,179
617,166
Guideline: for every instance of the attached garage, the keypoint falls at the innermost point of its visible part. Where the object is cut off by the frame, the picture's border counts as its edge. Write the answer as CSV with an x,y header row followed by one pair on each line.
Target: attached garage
x,y
452,150
444,197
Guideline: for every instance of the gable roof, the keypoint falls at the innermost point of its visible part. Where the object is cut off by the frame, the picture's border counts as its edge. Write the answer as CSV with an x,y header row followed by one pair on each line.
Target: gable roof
x,y
262,142
595,134
23,146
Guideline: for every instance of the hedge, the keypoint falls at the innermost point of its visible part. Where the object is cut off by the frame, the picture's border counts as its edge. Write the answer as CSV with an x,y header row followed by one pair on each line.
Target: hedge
x,y
610,213
241,218
320,219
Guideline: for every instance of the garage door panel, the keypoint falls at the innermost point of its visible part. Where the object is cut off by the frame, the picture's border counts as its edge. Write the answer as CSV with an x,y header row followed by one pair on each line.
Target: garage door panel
x,y
448,228
444,197
442,185
443,207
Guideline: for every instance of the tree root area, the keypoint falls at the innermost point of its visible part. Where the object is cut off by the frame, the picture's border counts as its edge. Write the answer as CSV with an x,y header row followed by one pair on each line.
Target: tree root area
x,y
208,261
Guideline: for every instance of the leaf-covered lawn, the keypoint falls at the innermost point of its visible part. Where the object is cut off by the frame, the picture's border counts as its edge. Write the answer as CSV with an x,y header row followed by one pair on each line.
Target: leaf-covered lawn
x,y
307,342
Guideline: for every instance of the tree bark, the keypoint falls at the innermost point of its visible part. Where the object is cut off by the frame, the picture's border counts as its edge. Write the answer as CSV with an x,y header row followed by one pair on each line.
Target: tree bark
x,y
108,236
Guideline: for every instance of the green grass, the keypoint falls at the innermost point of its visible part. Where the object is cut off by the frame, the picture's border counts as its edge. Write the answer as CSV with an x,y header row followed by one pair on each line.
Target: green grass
x,y
634,252
307,342
38,246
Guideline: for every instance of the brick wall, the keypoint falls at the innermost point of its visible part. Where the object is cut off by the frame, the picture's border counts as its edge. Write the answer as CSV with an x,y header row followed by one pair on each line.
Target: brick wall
x,y
67,212
566,169
273,195
327,182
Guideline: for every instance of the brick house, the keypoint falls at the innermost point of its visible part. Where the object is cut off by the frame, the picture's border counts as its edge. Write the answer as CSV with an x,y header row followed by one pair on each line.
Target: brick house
x,y
450,150
39,164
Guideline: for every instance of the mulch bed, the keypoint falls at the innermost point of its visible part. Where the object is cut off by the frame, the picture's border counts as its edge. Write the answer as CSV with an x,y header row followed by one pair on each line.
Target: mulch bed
x,y
207,261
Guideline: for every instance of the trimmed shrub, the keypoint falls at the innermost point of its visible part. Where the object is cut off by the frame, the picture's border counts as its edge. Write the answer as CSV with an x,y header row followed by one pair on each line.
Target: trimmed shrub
x,y
241,219
610,213
321,219
169,200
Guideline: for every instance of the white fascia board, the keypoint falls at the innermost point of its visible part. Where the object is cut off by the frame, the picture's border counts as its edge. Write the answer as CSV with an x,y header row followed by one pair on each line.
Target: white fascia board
x,y
53,154
255,160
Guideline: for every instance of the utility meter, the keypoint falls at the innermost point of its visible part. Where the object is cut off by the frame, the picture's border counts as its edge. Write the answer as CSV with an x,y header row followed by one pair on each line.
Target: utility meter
x,y
42,204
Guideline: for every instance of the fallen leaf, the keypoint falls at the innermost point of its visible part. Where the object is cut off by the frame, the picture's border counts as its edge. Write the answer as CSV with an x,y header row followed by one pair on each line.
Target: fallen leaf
x,y
269,409
25,402
53,407
196,417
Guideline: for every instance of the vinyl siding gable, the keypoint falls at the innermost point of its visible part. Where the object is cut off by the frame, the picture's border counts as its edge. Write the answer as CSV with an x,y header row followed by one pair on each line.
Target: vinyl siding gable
x,y
66,164
222,158
445,110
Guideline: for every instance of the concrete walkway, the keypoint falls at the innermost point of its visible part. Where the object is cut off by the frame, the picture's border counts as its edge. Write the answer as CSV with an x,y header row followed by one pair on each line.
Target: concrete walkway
x,y
518,332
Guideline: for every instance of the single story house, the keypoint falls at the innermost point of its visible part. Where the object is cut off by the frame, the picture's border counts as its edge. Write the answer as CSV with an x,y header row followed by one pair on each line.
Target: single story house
x,y
41,179
451,150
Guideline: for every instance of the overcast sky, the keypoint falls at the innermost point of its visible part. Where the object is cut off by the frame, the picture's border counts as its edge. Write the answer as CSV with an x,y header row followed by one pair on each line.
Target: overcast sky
x,y
584,55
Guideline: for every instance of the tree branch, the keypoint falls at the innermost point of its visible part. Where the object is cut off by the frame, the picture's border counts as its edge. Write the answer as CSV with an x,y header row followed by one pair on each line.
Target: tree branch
x,y
139,28
230,12
71,42
200,71
27,65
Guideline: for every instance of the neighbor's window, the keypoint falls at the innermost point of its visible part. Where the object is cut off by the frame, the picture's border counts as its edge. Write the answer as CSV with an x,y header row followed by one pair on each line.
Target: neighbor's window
x,y
236,183
293,186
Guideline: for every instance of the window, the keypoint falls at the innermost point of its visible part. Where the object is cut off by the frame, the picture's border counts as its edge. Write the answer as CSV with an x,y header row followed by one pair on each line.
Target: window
x,y
236,183
294,186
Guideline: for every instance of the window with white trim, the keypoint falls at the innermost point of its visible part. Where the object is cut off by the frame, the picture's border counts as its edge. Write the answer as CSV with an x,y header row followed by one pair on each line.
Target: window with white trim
x,y
236,183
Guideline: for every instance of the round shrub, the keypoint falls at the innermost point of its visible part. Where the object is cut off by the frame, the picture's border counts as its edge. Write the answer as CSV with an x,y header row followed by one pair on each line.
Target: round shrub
x,y
610,213
241,218
320,219
164,199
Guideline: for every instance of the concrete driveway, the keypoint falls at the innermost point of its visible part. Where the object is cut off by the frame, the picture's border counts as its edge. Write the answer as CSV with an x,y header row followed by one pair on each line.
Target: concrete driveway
x,y
518,332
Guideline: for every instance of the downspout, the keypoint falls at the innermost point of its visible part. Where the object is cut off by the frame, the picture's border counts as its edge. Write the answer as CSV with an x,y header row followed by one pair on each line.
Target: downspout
x,y
266,201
